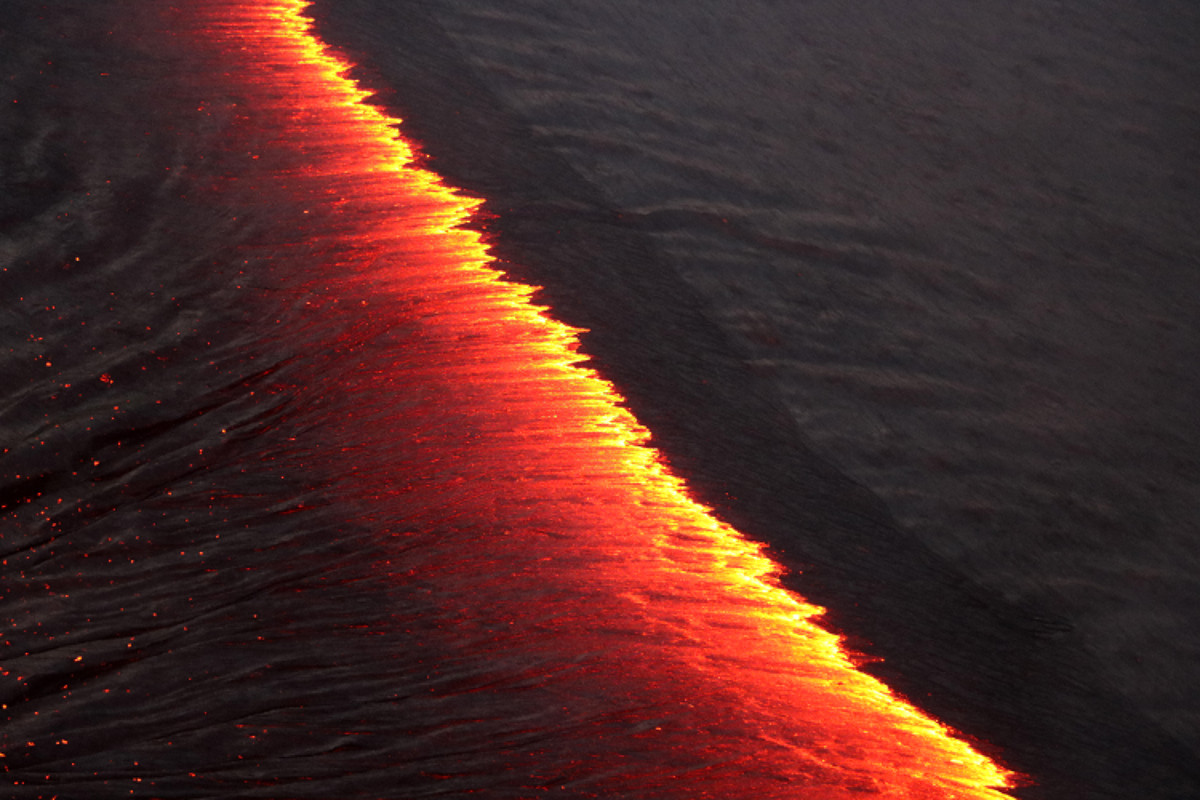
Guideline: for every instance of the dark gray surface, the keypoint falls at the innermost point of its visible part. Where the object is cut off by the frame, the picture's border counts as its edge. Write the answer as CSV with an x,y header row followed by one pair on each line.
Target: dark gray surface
x,y
955,246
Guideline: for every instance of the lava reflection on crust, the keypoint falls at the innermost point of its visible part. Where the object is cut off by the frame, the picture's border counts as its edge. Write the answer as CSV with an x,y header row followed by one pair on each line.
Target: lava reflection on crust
x,y
651,644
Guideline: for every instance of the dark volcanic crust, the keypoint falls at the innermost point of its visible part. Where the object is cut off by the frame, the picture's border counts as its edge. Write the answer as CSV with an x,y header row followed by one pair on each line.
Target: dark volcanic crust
x,y
1018,679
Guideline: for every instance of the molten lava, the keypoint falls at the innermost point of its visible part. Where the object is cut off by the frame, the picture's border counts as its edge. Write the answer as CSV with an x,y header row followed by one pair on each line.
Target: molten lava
x,y
633,644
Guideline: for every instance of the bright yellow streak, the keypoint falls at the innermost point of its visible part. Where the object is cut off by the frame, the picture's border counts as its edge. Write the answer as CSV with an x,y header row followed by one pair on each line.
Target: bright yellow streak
x,y
672,605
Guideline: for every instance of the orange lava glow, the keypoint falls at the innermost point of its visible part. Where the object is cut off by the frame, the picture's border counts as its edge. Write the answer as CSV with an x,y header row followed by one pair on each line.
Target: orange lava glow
x,y
662,637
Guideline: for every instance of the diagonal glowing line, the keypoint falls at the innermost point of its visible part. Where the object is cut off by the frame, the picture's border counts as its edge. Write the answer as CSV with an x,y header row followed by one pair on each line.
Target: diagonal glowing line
x,y
774,652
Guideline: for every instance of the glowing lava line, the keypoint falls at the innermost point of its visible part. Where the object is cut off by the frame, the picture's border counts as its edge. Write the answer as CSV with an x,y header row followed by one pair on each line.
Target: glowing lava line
x,y
676,664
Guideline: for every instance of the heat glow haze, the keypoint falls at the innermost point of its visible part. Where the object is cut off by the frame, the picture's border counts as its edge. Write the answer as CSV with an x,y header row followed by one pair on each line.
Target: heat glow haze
x,y
653,639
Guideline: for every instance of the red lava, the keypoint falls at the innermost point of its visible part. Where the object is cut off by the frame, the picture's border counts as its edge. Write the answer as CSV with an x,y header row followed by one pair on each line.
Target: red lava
x,y
681,666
